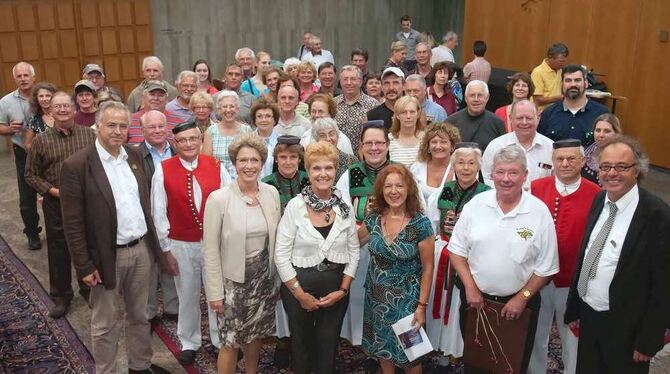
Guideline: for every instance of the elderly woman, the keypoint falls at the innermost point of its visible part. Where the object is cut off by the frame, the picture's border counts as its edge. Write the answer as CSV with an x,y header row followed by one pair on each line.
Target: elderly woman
x,y
432,168
316,256
218,137
323,106
325,129
264,116
288,179
442,325
255,84
440,92
373,86
519,87
406,131
604,127
239,235
306,78
40,103
291,66
401,242
201,67
202,106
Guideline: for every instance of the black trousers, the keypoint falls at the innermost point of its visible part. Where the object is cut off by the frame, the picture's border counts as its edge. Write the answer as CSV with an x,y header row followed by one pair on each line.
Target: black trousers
x,y
60,265
603,347
533,305
27,195
315,335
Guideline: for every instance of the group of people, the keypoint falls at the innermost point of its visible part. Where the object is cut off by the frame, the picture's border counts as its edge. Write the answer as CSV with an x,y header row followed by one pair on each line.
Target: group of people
x,y
316,207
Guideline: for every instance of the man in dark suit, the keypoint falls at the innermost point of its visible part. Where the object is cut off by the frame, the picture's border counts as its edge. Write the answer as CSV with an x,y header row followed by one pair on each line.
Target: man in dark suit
x,y
620,294
111,237
154,150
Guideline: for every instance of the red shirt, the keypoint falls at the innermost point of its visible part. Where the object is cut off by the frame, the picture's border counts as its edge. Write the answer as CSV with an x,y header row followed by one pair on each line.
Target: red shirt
x,y
135,135
447,101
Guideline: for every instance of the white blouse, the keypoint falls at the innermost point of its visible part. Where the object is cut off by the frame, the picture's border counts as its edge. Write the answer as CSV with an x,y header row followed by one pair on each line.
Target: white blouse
x,y
300,244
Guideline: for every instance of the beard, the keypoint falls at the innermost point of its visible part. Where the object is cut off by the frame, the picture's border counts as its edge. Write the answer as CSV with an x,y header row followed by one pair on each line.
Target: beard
x,y
573,93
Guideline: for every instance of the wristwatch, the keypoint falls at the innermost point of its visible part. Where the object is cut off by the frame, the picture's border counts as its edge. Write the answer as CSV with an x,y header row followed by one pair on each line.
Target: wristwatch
x,y
346,291
525,293
295,286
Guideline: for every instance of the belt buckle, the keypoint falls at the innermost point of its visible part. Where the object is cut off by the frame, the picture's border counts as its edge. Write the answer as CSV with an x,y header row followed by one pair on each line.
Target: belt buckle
x,y
321,267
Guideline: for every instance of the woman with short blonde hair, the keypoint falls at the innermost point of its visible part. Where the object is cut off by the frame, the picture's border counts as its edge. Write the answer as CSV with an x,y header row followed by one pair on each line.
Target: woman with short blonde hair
x,y
306,77
202,106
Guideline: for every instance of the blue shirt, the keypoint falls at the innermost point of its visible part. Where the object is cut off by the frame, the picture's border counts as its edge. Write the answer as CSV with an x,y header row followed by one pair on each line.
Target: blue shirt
x,y
434,112
557,121
156,156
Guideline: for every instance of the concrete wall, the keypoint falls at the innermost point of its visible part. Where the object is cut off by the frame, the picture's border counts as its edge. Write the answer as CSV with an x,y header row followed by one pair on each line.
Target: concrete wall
x,y
184,31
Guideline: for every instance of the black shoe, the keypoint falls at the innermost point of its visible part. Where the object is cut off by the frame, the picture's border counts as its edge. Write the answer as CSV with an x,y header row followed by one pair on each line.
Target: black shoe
x,y
34,243
186,357
153,369
370,365
170,316
59,310
282,355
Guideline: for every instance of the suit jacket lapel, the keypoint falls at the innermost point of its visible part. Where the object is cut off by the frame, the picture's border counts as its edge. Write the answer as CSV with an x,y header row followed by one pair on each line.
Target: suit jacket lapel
x,y
100,178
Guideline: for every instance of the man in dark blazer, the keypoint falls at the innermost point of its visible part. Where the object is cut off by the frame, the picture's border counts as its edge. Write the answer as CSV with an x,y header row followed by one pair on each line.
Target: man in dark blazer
x,y
154,149
111,237
620,295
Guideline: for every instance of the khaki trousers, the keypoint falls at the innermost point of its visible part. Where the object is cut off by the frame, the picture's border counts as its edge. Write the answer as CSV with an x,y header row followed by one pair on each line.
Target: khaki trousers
x,y
133,270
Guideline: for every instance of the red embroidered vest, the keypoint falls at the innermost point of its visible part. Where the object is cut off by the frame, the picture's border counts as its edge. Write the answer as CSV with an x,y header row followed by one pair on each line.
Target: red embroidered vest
x,y
185,220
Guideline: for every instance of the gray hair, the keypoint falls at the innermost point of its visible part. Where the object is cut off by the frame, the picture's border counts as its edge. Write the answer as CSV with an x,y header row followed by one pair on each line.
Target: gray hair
x,y
416,78
558,49
110,105
449,35
244,50
353,68
227,93
186,74
30,67
290,61
511,153
144,116
150,59
641,158
464,152
323,124
517,103
477,83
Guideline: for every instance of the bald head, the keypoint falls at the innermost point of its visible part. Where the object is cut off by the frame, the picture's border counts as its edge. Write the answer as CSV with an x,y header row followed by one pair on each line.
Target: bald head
x,y
154,128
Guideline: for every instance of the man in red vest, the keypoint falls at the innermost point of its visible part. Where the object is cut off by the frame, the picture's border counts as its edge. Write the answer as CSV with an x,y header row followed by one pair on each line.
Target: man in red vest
x,y
179,189
568,197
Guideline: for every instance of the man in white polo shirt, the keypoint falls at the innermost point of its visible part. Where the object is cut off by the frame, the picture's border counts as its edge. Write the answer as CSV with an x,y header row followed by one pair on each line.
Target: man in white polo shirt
x,y
504,245
538,148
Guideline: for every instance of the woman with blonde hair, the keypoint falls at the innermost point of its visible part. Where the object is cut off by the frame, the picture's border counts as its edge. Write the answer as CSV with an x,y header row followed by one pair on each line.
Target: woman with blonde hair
x,y
306,77
202,106
432,168
406,130
254,85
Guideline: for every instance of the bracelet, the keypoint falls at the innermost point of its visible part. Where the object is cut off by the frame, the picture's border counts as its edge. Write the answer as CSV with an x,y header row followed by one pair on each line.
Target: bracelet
x,y
295,286
425,305
346,291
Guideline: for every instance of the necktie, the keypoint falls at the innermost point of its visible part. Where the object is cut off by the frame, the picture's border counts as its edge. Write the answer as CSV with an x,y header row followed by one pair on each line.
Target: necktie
x,y
593,257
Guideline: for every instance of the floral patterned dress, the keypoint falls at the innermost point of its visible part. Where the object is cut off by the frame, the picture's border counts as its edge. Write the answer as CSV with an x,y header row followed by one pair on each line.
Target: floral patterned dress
x,y
392,285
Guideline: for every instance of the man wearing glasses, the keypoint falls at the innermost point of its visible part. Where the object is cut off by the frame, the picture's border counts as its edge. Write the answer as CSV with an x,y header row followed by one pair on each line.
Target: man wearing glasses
x,y
619,294
179,189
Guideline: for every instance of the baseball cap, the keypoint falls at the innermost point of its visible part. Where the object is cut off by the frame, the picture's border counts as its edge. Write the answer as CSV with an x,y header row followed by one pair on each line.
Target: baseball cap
x,y
156,85
84,84
93,67
393,70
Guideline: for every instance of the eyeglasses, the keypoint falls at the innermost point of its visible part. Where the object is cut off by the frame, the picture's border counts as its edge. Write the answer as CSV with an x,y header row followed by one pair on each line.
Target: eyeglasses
x,y
620,168
184,141
373,144
62,106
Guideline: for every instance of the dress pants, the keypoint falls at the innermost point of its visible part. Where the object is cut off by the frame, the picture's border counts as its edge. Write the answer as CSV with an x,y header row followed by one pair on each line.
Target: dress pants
x,y
60,266
188,284
553,303
315,335
27,195
133,267
601,348
168,289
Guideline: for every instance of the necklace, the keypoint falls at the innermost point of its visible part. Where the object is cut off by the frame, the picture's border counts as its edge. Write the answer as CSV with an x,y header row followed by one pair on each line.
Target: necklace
x,y
389,238
327,216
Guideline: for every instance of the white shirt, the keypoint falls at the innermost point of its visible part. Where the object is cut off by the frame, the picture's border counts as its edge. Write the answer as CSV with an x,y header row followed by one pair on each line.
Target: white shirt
x,y
569,188
159,200
403,154
300,244
505,250
538,157
297,127
319,59
130,221
343,142
597,294
430,194
441,53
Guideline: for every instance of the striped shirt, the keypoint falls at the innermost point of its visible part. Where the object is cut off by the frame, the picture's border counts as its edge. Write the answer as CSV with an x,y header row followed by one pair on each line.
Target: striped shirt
x,y
478,68
48,151
402,154
220,144
136,135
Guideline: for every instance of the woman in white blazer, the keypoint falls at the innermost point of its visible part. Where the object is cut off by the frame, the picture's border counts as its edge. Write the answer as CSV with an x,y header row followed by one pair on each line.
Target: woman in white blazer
x,y
316,256
239,235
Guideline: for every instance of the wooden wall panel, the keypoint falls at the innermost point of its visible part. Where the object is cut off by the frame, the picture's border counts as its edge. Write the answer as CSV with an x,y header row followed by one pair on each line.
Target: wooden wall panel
x,y
46,17
8,23
619,40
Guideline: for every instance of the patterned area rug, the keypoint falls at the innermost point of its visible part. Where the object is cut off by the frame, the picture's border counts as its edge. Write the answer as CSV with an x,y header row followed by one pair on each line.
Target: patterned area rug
x,y
31,341
349,359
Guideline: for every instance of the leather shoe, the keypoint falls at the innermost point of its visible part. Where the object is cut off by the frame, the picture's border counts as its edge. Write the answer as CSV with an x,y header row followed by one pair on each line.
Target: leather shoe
x,y
59,310
186,357
153,369
34,243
